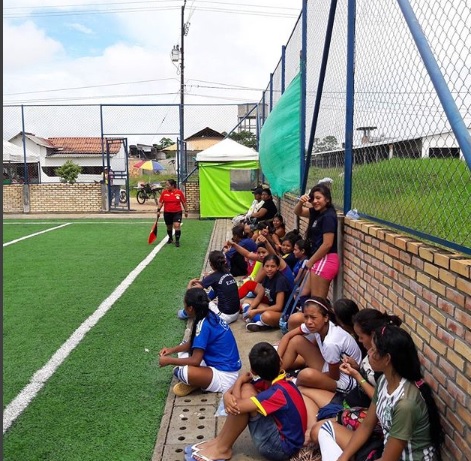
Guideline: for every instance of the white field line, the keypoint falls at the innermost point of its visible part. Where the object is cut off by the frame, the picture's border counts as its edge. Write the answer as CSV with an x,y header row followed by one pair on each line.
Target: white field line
x,y
132,222
35,234
24,398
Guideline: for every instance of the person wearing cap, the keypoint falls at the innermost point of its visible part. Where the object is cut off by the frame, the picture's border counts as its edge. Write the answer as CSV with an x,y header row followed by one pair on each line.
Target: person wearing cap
x,y
255,206
268,210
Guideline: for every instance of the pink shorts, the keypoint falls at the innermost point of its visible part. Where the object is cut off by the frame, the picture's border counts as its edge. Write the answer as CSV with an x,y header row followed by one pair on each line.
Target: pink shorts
x,y
327,267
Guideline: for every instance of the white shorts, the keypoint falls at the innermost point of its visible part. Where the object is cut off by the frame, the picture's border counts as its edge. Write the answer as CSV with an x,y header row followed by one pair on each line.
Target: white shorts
x,y
222,380
228,318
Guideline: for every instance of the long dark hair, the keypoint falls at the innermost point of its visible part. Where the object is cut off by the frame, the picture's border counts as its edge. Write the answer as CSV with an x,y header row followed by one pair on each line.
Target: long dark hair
x,y
325,191
345,309
370,319
218,261
392,340
198,299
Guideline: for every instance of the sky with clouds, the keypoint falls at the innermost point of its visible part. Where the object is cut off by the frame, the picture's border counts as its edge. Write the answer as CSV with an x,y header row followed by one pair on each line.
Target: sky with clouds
x,y
118,51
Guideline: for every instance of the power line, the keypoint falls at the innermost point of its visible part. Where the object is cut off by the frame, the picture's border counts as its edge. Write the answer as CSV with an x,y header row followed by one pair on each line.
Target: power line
x,y
256,10
88,87
224,86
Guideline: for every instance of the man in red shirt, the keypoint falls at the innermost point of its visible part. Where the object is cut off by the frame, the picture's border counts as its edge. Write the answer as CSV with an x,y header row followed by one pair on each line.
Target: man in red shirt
x,y
172,199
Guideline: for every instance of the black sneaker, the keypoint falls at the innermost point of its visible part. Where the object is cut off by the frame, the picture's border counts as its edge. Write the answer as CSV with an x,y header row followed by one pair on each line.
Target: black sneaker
x,y
169,241
257,326
177,243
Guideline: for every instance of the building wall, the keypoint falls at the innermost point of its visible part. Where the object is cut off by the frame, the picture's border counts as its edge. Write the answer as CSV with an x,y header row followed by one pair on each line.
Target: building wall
x,y
430,290
71,198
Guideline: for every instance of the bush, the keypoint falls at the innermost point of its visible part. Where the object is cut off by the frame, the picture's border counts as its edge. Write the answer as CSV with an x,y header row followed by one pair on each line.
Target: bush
x,y
69,172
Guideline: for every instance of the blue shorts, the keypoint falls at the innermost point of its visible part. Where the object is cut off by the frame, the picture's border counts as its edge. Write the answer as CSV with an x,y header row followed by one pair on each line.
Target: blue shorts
x,y
266,438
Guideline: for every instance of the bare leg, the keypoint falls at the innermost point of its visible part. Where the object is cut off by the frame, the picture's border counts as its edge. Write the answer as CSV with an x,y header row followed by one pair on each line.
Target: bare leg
x,y
295,320
342,434
221,446
271,318
320,397
300,346
319,286
200,376
310,377
312,410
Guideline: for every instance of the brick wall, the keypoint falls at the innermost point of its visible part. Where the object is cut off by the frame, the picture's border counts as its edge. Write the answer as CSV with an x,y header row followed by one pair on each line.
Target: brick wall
x,y
430,290
13,198
54,198
192,194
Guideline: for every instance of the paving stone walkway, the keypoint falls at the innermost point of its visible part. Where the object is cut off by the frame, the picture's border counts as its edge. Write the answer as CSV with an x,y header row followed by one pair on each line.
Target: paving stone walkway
x,y
193,418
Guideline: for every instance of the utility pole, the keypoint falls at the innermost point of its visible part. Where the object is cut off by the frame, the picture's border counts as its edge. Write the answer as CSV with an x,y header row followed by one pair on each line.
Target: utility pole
x,y
178,56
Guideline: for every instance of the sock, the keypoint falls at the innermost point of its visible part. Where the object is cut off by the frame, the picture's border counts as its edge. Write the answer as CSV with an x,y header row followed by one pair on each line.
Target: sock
x,y
169,233
181,373
329,448
177,235
246,287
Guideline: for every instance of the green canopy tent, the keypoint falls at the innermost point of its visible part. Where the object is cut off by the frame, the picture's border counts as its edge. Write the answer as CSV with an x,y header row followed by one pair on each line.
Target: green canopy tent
x,y
227,173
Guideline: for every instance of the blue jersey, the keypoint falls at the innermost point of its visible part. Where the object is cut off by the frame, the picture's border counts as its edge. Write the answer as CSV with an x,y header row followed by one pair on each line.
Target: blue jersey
x,y
320,224
225,289
288,273
214,336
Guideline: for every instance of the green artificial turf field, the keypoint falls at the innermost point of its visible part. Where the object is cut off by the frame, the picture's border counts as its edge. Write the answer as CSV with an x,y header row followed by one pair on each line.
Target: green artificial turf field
x,y
98,299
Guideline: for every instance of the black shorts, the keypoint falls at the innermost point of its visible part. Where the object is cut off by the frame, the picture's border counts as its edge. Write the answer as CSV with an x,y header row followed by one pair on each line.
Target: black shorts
x,y
171,218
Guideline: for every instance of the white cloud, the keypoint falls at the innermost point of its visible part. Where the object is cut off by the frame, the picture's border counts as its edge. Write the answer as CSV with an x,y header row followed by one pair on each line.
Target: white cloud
x,y
80,28
230,48
26,46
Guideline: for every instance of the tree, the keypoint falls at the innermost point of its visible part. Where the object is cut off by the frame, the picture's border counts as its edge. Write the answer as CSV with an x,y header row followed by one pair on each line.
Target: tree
x,y
69,172
326,144
164,142
247,138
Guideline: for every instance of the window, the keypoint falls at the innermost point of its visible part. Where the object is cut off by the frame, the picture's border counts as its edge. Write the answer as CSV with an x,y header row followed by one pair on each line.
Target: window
x,y
243,180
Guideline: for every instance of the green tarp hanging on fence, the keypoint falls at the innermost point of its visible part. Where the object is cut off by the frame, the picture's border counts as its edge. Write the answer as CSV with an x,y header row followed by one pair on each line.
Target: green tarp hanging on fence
x,y
280,142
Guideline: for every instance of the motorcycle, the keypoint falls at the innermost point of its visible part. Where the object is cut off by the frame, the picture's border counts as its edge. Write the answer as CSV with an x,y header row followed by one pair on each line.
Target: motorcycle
x,y
147,191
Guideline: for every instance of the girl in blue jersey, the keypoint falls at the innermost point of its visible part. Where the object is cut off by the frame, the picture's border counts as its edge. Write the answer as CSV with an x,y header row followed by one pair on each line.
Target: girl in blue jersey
x,y
210,359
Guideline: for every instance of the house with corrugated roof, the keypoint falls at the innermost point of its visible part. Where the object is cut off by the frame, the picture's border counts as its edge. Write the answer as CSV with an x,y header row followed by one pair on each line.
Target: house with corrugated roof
x,y
91,153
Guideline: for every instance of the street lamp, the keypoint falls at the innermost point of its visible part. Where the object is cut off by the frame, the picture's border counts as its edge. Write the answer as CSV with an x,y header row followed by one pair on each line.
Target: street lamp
x,y
179,56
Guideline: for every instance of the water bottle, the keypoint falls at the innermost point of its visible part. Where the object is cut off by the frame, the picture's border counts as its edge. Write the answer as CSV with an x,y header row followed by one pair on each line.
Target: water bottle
x,y
353,214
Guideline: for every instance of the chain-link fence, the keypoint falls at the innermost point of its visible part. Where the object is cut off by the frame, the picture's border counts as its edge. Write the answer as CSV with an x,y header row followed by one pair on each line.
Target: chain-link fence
x,y
393,129
390,127
142,124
